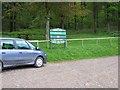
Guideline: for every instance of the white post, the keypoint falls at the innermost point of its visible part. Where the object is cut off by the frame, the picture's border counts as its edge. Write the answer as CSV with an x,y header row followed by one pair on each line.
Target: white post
x,y
37,43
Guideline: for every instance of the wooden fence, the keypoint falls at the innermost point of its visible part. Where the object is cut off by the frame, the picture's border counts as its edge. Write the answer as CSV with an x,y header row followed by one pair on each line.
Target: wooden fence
x,y
81,39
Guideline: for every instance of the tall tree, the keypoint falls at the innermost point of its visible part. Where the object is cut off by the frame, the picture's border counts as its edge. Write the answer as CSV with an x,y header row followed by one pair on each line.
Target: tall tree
x,y
47,21
62,21
68,16
83,6
108,17
14,18
94,17
11,17
75,16
10,11
82,12
97,12
62,11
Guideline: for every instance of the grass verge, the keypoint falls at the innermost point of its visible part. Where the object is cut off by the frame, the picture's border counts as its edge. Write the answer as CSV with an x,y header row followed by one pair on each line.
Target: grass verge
x,y
75,51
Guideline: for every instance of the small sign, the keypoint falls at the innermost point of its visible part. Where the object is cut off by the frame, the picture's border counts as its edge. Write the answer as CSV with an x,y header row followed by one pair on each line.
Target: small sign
x,y
57,36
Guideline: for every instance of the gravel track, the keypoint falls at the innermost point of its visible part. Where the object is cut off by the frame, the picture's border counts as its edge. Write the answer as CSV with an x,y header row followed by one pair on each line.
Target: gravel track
x,y
90,73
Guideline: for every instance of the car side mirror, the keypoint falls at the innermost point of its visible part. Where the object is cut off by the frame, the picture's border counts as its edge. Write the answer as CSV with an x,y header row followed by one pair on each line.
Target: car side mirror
x,y
37,48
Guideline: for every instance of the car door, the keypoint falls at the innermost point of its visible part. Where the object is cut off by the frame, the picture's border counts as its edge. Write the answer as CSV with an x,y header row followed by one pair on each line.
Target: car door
x,y
9,53
25,52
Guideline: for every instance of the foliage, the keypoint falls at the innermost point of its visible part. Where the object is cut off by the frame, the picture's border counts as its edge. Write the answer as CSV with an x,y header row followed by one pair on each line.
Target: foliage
x,y
33,14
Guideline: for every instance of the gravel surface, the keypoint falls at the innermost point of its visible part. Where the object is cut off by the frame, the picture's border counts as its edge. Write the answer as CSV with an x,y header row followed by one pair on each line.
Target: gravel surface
x,y
90,73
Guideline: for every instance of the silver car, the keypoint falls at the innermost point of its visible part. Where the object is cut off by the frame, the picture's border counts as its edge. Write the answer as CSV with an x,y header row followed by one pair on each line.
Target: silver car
x,y
17,52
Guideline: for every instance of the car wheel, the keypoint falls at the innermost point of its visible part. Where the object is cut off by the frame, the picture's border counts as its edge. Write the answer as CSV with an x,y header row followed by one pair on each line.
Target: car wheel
x,y
38,62
1,66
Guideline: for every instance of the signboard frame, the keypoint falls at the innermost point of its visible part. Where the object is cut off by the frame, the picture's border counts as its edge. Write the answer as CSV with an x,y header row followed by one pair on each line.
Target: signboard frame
x,y
57,36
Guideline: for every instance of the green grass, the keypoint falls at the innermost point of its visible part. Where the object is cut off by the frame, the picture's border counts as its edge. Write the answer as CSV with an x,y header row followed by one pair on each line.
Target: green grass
x,y
75,51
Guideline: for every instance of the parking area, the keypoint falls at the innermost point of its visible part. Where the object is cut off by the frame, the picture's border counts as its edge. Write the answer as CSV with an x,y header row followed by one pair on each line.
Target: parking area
x,y
90,73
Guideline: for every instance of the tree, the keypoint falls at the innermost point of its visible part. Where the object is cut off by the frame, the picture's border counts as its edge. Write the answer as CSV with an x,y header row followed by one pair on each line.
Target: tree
x,y
47,21
95,16
107,17
10,11
75,16
70,15
11,17
82,13
83,6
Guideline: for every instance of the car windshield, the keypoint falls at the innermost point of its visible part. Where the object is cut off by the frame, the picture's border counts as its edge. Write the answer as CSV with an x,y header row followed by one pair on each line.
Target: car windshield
x,y
31,46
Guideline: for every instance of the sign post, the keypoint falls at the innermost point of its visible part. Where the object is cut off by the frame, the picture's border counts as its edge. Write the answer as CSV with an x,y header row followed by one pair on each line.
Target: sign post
x,y
57,36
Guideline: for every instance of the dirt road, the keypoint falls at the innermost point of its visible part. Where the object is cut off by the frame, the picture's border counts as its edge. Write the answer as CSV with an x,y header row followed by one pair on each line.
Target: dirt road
x,y
90,73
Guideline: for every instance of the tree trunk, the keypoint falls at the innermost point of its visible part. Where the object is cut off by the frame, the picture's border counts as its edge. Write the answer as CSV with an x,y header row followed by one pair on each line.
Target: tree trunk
x,y
62,21
14,20
107,17
11,23
94,16
68,23
47,21
82,4
68,17
11,18
97,21
105,11
75,22
47,28
118,23
97,11
82,24
75,17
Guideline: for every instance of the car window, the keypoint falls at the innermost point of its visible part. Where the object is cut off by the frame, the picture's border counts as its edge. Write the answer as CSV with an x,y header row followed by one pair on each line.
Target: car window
x,y
7,44
31,46
21,44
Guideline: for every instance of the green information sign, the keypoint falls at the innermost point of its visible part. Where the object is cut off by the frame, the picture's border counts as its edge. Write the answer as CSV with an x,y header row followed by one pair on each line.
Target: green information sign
x,y
57,36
